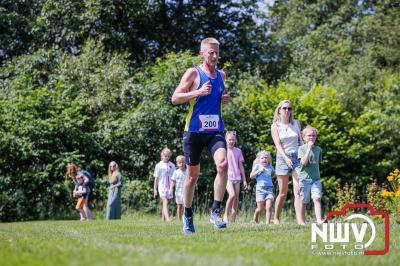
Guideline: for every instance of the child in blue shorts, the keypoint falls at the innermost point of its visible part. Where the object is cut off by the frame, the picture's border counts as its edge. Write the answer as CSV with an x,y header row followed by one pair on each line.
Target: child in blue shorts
x,y
310,186
263,172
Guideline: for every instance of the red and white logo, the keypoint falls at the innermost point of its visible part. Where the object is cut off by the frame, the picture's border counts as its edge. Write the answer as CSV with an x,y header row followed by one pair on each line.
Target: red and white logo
x,y
353,236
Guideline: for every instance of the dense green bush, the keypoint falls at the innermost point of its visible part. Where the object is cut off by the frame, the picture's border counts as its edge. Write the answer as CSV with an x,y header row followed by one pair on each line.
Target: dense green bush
x,y
93,108
50,103
137,196
348,142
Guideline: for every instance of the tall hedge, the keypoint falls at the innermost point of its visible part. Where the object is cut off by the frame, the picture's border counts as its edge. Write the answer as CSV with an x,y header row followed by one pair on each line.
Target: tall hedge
x,y
93,107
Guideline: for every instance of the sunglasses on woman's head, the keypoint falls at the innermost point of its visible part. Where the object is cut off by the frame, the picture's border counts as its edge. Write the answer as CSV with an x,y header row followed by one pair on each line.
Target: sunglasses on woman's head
x,y
287,108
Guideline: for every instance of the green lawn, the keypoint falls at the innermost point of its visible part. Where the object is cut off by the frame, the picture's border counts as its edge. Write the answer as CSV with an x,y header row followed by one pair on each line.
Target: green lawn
x,y
145,240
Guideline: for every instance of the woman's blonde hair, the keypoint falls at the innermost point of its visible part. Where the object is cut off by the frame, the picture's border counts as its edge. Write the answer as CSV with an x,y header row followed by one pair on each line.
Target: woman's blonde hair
x,y
277,118
110,171
260,154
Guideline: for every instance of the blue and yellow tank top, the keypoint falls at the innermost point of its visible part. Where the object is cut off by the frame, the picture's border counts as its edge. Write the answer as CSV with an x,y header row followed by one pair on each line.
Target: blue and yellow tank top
x,y
204,114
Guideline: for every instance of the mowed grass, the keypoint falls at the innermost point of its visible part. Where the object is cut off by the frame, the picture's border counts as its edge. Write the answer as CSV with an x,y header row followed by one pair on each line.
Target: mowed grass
x,y
145,240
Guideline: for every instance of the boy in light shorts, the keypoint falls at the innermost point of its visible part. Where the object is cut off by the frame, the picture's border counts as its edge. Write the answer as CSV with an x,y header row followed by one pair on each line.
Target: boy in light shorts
x,y
178,179
310,157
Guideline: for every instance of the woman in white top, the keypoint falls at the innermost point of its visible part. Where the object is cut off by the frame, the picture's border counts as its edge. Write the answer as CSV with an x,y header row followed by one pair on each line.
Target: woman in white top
x,y
286,133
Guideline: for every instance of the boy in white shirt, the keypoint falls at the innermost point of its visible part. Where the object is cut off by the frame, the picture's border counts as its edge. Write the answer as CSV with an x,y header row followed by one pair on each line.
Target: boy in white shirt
x,y
162,177
178,179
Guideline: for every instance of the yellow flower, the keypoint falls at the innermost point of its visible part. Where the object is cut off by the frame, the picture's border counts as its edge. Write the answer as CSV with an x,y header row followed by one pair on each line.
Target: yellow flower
x,y
390,178
387,194
395,174
398,193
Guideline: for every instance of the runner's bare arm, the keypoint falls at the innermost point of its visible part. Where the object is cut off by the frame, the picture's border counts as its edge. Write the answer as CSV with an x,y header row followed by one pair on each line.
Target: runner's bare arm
x,y
223,75
185,90
225,98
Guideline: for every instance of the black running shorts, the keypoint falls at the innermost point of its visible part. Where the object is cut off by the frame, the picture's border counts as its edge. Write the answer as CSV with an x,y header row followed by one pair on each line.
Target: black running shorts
x,y
193,144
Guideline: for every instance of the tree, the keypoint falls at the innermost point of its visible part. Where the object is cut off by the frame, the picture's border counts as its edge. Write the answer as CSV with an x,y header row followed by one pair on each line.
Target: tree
x,y
50,103
144,29
347,44
16,19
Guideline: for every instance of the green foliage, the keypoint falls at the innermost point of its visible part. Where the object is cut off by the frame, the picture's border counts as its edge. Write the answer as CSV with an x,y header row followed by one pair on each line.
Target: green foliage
x,y
251,114
345,44
69,90
375,134
16,18
88,109
137,196
347,141
93,108
144,29
375,197
345,195
50,103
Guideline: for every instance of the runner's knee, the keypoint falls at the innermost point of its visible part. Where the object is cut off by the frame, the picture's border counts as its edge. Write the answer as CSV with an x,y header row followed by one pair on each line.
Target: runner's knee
x,y
222,166
191,180
282,194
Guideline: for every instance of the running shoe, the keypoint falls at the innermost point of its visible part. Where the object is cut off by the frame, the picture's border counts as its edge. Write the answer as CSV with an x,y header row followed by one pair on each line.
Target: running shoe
x,y
216,219
188,225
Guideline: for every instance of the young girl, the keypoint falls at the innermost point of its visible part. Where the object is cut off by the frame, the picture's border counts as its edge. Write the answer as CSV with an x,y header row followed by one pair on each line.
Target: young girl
x,y
263,173
178,178
81,192
310,186
235,176
162,177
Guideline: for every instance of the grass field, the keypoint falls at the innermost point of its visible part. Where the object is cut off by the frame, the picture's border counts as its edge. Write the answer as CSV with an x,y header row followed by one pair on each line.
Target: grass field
x,y
145,240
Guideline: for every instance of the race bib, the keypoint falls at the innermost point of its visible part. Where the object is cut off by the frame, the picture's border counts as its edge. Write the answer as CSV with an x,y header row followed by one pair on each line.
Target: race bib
x,y
209,122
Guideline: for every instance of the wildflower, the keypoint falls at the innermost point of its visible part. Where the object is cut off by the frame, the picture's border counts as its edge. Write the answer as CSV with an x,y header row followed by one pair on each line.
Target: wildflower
x,y
387,194
392,197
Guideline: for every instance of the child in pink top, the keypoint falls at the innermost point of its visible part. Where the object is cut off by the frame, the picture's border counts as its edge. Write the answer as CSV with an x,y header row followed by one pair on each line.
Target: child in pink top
x,y
235,176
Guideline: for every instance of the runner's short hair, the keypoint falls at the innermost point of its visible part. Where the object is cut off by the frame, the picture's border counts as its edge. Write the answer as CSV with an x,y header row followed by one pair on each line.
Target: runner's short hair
x,y
206,41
